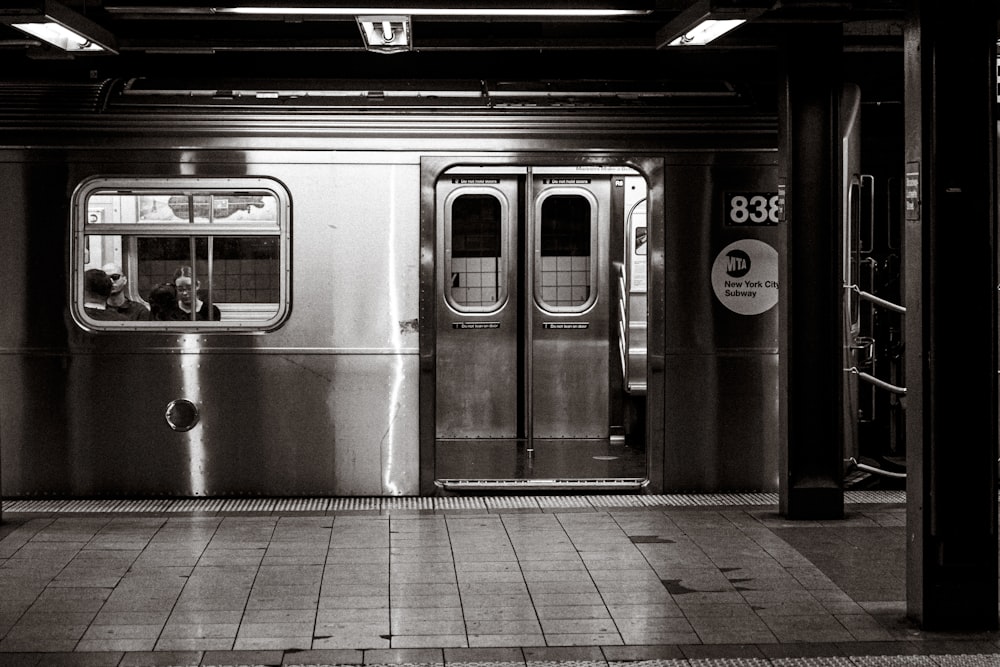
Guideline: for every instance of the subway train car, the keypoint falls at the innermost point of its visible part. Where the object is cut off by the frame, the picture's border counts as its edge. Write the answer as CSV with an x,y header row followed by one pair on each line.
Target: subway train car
x,y
383,291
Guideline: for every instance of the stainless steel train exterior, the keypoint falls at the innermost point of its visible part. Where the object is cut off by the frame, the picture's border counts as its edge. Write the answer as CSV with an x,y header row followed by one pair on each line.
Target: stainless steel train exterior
x,y
416,295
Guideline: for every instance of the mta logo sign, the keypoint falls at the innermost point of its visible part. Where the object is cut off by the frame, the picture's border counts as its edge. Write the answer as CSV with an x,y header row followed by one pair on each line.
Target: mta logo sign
x,y
737,263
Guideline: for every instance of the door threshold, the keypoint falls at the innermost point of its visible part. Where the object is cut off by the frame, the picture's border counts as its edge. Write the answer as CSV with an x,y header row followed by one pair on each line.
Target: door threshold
x,y
541,484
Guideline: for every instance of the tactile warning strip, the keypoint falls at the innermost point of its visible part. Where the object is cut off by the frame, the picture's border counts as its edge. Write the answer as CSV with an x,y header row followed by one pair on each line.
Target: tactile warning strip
x,y
811,661
969,660
947,660
410,503
729,662
894,661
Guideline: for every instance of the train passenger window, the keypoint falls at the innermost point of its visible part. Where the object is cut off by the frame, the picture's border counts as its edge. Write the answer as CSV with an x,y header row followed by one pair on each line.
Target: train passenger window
x,y
195,253
475,264
565,277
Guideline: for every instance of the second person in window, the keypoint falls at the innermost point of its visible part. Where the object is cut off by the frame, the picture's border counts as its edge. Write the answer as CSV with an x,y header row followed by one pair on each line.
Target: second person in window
x,y
188,300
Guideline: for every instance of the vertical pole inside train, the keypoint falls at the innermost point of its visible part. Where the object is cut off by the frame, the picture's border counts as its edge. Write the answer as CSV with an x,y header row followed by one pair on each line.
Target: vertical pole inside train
x,y
524,330
616,259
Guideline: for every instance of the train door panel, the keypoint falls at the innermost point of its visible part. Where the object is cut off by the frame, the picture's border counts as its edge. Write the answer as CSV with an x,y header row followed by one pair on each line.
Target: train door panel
x,y
524,387
569,310
478,321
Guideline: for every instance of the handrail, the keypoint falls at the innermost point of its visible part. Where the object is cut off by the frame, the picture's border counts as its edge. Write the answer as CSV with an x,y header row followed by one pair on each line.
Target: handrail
x,y
872,469
867,296
870,179
875,381
631,340
623,323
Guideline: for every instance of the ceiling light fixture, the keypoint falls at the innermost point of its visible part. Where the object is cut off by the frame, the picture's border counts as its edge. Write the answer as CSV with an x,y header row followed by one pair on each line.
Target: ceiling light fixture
x,y
586,10
58,25
579,9
707,20
385,34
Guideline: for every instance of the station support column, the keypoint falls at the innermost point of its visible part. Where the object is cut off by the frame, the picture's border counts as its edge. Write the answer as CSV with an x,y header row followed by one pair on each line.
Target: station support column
x,y
810,319
950,287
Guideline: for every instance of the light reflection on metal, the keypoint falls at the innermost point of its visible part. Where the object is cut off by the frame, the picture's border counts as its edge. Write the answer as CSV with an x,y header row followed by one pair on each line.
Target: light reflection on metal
x,y
190,360
388,444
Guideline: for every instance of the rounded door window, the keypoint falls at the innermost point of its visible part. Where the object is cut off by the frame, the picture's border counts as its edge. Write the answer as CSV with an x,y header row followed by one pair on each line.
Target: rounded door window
x,y
475,279
566,269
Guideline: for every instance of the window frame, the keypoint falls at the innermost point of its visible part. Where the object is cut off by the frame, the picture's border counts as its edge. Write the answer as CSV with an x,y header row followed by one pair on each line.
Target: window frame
x,y
129,232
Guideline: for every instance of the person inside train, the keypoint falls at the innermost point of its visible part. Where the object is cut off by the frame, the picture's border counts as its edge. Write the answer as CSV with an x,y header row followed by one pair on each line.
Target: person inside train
x,y
188,300
163,303
132,310
96,290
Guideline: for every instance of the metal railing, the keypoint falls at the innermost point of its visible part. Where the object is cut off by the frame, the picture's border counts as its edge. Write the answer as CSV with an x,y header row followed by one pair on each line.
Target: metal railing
x,y
889,305
632,352
623,322
871,379
879,301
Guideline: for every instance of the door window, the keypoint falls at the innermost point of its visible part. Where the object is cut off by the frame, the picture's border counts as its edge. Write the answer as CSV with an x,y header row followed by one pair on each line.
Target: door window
x,y
565,278
476,270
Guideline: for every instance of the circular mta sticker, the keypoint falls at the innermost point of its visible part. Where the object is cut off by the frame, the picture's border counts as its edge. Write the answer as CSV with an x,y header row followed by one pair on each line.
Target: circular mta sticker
x,y
745,277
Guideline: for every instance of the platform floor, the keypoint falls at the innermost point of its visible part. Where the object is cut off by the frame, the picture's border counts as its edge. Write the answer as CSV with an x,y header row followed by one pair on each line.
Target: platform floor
x,y
541,581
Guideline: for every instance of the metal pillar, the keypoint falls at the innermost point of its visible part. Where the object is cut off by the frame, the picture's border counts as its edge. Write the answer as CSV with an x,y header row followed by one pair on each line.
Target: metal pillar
x,y
811,451
950,286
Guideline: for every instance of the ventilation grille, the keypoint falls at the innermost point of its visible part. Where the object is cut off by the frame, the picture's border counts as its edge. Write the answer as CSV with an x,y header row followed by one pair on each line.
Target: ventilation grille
x,y
24,98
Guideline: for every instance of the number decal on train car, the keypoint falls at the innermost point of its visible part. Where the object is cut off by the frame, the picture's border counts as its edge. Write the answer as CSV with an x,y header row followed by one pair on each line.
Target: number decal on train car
x,y
750,209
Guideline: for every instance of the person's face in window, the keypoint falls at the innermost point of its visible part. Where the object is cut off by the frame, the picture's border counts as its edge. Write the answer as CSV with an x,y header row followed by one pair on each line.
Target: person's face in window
x,y
185,292
118,279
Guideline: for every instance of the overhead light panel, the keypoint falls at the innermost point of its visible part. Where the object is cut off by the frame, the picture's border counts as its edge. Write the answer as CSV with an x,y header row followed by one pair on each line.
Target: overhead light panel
x,y
579,9
60,26
437,11
706,31
385,34
707,20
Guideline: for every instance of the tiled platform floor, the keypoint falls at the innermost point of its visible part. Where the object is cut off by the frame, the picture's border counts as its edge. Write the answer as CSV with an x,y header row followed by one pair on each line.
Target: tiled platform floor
x,y
508,584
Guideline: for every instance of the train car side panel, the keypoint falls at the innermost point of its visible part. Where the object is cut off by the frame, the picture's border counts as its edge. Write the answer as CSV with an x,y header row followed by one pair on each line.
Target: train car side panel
x,y
325,404
721,409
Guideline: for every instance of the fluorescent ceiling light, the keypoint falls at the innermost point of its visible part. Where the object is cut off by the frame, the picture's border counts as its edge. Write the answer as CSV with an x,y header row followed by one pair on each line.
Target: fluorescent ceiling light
x,y
430,11
56,24
59,35
706,20
706,31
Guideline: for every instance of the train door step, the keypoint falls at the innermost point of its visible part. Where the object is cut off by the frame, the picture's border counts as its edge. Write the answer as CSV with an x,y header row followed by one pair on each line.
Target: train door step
x,y
593,485
546,462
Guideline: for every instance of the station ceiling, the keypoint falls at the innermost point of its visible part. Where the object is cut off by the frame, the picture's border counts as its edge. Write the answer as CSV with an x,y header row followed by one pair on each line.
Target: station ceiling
x,y
191,38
